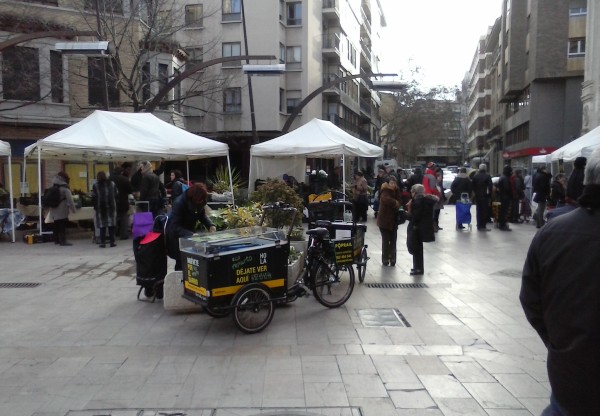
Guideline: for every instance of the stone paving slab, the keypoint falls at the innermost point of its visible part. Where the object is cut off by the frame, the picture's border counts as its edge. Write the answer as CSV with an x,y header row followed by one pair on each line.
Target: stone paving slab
x,y
80,340
322,411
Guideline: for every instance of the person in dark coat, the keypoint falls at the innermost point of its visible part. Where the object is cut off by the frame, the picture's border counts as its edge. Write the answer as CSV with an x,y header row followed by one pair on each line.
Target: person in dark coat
x,y
176,184
379,180
482,188
415,178
559,293
150,189
389,203
557,191
505,194
187,211
120,177
104,194
420,226
461,185
541,190
60,214
575,183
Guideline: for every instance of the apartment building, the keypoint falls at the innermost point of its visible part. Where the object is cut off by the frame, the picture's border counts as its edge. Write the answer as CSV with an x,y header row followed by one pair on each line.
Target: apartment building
x,y
319,42
154,41
591,83
532,65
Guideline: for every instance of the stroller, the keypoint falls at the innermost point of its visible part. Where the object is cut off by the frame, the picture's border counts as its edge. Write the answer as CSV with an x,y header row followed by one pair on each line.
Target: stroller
x,y
150,254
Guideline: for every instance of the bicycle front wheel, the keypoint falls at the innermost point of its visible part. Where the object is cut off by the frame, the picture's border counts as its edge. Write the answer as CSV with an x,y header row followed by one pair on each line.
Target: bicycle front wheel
x,y
333,284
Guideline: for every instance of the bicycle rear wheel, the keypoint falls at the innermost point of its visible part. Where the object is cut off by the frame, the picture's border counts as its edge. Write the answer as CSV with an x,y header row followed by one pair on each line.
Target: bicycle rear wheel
x,y
253,308
361,265
333,287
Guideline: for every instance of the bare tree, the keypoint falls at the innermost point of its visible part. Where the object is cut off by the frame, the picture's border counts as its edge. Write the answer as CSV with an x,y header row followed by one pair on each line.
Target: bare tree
x,y
416,118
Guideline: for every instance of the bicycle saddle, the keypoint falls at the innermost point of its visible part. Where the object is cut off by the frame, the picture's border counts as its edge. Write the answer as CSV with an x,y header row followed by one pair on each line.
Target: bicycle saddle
x,y
319,232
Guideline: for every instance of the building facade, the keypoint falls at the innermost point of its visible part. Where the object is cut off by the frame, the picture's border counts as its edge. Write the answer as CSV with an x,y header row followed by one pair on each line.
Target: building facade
x,y
155,42
532,65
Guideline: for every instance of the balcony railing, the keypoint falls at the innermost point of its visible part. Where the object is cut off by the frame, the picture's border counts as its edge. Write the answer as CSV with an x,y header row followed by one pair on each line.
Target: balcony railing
x,y
331,41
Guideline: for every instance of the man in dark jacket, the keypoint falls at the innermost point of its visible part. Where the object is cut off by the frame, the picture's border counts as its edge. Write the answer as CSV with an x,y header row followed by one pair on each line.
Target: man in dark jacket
x,y
120,177
505,194
420,227
541,190
559,294
575,183
482,188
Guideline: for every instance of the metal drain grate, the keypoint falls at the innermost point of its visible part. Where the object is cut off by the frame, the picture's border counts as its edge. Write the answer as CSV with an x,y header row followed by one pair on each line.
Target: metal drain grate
x,y
18,285
382,317
397,285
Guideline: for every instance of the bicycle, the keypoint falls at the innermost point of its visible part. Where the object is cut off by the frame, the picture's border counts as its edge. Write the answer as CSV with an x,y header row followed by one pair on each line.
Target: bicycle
x,y
328,271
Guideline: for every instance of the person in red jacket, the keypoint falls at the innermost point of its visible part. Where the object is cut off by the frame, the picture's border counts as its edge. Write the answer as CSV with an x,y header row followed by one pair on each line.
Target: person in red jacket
x,y
430,180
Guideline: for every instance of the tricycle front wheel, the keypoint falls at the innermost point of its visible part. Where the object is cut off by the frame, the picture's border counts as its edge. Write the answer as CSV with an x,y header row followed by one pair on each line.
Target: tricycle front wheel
x,y
253,308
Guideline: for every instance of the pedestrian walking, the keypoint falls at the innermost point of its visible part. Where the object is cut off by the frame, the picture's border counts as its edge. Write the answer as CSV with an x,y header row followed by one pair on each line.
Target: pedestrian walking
x,y
389,203
150,189
559,294
505,195
360,196
482,188
104,194
575,182
541,191
461,185
120,177
420,226
60,213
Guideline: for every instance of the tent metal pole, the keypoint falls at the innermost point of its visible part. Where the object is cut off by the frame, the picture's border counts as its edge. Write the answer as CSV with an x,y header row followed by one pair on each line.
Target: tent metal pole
x,y
40,188
187,169
230,180
10,192
344,174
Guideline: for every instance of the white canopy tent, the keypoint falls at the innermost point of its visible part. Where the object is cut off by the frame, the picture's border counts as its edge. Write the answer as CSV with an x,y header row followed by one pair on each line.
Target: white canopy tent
x,y
583,146
107,136
5,151
317,138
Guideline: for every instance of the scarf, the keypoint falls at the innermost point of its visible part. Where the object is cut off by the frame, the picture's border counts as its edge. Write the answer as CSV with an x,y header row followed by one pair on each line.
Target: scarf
x,y
590,198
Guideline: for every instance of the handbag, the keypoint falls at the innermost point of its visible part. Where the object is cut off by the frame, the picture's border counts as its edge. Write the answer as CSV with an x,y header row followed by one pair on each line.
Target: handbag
x,y
400,216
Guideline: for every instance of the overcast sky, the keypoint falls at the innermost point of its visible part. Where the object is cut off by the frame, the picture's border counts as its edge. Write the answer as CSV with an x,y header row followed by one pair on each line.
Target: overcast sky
x,y
438,36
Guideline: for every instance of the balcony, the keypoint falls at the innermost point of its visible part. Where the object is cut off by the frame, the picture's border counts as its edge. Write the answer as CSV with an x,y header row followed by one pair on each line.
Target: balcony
x,y
342,123
331,45
331,9
335,90
365,107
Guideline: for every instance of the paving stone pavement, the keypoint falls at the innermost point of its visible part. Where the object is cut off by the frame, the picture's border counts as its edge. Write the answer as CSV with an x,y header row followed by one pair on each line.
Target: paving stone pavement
x,y
80,344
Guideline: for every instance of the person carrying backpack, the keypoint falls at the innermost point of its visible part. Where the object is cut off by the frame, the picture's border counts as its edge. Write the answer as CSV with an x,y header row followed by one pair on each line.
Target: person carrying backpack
x,y
60,213
178,185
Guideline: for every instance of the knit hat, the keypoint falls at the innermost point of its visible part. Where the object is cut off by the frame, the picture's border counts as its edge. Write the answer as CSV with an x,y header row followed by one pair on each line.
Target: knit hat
x,y
146,167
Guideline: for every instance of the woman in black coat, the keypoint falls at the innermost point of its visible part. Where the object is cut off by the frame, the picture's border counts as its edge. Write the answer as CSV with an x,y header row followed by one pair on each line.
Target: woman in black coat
x,y
187,211
420,226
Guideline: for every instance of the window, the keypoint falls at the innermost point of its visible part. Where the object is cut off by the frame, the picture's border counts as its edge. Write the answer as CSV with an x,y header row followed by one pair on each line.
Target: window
x,y
232,49
56,77
294,14
281,10
281,99
576,47
193,15
146,82
105,6
163,80
232,100
293,57
292,101
45,2
281,53
21,74
577,11
232,10
195,57
96,83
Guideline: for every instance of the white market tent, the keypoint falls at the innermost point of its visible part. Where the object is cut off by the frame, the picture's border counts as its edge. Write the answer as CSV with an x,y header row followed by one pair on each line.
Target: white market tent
x,y
5,151
317,138
583,146
107,136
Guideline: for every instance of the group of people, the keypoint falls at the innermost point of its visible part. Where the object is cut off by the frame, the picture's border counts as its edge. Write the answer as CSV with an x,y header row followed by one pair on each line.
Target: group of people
x,y
420,206
111,201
